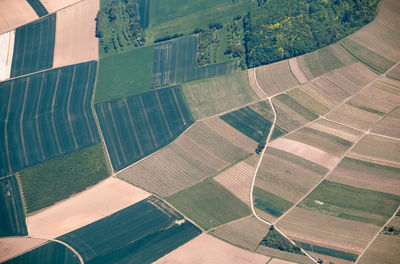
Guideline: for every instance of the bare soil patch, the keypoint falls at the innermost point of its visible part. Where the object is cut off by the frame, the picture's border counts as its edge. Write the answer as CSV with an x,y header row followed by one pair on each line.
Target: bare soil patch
x,y
55,5
297,71
210,250
88,206
75,40
11,247
15,13
6,54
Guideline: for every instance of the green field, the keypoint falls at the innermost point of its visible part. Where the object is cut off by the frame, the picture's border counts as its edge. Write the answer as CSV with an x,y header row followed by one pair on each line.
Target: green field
x,y
209,204
270,203
351,203
140,233
298,108
366,56
322,61
209,97
51,252
124,74
59,178
327,251
171,17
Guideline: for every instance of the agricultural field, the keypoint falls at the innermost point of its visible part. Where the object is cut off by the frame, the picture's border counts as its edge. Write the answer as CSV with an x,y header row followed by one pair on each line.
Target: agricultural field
x,y
367,56
135,126
124,74
47,183
34,46
324,60
209,204
175,62
295,68
339,255
11,209
385,249
304,97
207,249
15,13
51,252
209,97
11,247
171,18
91,205
75,40
45,115
201,152
394,73
38,7
246,232
390,125
283,257
144,231
55,5
275,78
6,53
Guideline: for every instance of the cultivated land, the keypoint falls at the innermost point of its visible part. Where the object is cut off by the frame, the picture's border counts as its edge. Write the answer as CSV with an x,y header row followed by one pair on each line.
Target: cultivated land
x,y
51,252
11,247
101,200
209,204
144,231
201,152
34,46
284,257
390,125
150,121
55,5
15,13
45,115
49,182
246,232
75,39
124,74
11,209
38,7
206,98
207,249
297,71
6,54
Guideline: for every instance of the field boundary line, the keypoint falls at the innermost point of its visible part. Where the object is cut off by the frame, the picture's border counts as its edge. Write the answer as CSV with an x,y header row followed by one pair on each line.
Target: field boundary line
x,y
376,235
231,222
255,175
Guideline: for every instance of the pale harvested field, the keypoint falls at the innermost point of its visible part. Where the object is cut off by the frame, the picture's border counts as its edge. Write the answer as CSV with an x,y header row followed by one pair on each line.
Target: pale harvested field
x,y
75,40
372,103
15,13
357,175
253,84
395,72
389,14
280,261
104,199
329,127
378,148
305,151
264,215
284,255
297,71
353,116
237,180
275,78
308,101
390,126
11,247
231,134
286,175
328,259
328,231
246,233
385,249
55,5
385,90
210,250
341,54
6,54
315,92
286,117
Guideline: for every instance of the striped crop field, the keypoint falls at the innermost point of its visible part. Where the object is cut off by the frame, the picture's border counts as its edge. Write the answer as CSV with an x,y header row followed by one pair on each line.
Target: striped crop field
x,y
209,97
286,118
45,115
209,204
196,155
283,257
238,179
174,62
246,232
390,125
275,78
135,126
34,46
11,210
395,73
144,231
303,98
324,60
367,56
